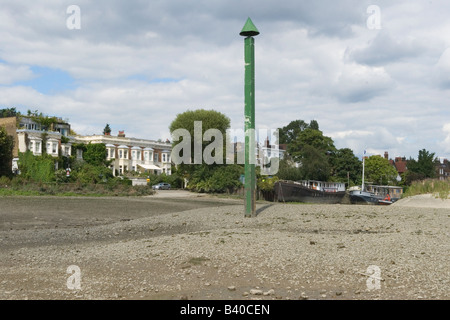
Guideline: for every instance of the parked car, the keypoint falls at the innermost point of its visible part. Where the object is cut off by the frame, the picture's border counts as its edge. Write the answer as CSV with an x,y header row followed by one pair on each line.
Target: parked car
x,y
161,186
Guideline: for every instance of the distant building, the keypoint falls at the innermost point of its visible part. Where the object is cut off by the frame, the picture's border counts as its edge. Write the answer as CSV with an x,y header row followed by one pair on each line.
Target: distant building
x,y
10,124
443,169
399,163
132,154
30,134
127,154
263,152
268,151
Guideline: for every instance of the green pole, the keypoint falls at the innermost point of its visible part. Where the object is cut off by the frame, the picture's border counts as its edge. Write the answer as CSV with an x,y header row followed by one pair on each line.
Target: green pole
x,y
249,30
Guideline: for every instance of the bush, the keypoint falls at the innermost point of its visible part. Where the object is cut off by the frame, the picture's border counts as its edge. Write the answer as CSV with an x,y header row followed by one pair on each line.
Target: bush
x,y
433,186
37,168
5,182
222,179
266,183
90,174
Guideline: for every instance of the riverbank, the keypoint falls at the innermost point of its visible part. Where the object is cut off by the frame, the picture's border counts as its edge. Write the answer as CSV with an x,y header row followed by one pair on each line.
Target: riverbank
x,y
203,248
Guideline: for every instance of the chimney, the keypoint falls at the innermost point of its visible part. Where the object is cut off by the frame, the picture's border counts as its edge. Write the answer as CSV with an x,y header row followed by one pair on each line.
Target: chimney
x,y
386,155
121,134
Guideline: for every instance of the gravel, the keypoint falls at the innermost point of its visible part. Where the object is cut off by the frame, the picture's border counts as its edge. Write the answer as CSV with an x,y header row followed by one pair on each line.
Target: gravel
x,y
289,251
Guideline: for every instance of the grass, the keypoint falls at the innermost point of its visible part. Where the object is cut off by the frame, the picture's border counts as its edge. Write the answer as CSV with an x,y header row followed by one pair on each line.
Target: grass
x,y
17,187
439,188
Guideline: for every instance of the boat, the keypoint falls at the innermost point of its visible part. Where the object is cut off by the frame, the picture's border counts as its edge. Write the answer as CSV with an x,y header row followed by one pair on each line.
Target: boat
x,y
374,194
309,191
378,196
358,196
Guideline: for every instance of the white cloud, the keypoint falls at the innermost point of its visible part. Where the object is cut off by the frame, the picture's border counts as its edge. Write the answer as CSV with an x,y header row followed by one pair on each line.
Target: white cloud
x,y
442,70
137,64
357,83
446,143
10,74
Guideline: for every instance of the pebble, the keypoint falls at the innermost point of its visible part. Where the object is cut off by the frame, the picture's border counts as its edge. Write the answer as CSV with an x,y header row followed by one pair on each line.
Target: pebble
x,y
303,296
271,292
256,292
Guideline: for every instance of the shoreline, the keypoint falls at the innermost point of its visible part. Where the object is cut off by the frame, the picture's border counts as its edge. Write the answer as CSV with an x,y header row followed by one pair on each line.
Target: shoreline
x,y
188,248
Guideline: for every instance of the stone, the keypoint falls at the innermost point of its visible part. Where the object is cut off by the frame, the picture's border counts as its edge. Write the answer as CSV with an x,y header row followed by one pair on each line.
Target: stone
x,y
256,292
271,292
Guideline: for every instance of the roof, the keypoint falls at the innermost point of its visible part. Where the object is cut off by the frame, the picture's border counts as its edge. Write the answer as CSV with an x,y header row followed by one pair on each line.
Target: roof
x,y
149,167
400,166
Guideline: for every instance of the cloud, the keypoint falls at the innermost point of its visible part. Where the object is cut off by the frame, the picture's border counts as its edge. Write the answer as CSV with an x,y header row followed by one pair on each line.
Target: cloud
x,y
137,64
357,83
385,49
442,70
446,143
10,74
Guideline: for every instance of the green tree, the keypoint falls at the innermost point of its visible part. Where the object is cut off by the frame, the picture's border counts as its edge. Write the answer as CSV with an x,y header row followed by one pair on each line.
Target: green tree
x,y
313,151
6,156
8,112
378,170
424,167
289,133
287,170
107,130
95,154
345,162
313,138
200,175
315,164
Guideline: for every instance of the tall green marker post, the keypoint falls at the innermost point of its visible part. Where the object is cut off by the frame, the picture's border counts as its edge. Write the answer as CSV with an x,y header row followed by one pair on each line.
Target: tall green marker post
x,y
248,31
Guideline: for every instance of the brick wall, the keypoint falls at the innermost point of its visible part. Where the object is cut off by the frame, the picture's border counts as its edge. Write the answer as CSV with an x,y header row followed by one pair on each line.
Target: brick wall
x,y
11,127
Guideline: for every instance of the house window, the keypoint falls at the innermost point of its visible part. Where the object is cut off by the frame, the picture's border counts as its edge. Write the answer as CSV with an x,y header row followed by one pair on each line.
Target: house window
x,y
138,154
111,153
120,156
155,157
125,154
54,147
30,146
164,157
146,155
133,155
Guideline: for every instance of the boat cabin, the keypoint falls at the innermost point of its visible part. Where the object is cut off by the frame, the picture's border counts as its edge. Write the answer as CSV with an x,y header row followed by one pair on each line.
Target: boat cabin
x,y
382,191
323,186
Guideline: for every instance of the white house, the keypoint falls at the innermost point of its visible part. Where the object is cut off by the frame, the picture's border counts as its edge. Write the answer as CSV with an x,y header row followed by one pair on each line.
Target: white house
x,y
133,154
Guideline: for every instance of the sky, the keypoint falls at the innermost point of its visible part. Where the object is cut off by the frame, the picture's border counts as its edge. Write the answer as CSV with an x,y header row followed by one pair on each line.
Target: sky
x,y
374,74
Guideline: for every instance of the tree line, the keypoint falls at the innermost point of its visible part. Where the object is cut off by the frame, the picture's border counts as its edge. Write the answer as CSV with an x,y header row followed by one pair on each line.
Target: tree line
x,y
310,156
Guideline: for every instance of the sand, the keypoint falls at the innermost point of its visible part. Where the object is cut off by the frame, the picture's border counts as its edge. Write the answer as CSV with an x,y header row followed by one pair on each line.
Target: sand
x,y
180,246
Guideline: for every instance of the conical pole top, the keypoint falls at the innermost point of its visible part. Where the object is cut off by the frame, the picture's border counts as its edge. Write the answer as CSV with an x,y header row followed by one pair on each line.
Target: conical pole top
x,y
249,29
